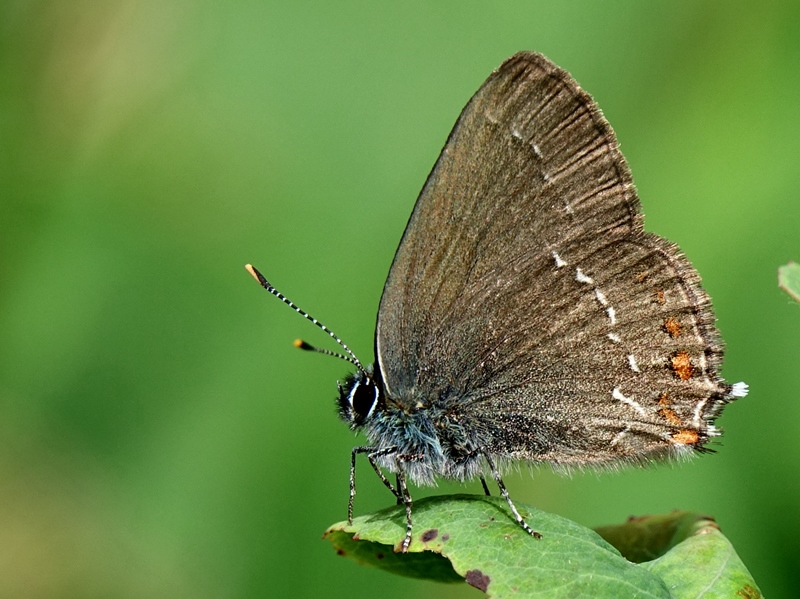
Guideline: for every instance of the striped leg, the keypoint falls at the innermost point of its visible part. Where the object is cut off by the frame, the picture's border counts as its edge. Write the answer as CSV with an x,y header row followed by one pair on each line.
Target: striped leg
x,y
504,493
372,453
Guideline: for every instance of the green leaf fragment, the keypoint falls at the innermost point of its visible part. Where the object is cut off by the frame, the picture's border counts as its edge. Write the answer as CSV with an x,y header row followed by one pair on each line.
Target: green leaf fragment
x,y
649,537
688,551
789,279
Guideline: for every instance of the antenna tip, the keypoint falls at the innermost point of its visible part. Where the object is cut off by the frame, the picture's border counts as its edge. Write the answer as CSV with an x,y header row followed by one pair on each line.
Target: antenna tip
x,y
255,274
300,344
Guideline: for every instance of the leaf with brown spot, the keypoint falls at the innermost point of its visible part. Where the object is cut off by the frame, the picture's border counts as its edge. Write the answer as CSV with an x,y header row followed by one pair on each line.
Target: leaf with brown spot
x,y
676,555
480,543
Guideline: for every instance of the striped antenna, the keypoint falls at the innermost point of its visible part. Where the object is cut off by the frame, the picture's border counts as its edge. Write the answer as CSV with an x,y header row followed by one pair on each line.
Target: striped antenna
x,y
300,344
350,357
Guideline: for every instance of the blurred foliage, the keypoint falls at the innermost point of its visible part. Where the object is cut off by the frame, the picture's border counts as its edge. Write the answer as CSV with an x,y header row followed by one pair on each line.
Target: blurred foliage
x,y
159,437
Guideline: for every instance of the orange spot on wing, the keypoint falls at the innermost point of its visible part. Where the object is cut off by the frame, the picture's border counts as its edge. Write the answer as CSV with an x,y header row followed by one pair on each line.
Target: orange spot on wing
x,y
673,327
686,437
670,416
682,365
659,296
664,400
642,276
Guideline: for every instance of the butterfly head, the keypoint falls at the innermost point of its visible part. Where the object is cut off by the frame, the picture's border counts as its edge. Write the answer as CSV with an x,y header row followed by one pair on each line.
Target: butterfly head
x,y
359,397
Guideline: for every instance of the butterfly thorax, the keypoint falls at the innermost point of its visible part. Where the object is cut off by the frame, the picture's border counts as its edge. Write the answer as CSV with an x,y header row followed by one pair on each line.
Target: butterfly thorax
x,y
419,434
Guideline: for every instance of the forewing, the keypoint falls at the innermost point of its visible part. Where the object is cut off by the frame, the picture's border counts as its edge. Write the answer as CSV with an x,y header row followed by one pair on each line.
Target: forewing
x,y
524,281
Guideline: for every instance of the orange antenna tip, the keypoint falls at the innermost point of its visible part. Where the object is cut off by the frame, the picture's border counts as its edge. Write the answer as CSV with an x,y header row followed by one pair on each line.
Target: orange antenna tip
x,y
258,276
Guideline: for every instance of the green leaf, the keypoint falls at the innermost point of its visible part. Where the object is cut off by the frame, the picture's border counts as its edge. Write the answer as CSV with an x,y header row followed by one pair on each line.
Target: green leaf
x,y
484,545
474,538
687,551
789,279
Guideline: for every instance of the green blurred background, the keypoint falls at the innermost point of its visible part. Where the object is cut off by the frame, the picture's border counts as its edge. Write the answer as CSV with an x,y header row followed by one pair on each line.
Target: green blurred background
x,y
159,436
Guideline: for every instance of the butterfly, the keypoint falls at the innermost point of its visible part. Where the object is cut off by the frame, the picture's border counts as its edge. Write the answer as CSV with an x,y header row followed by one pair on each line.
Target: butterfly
x,y
527,315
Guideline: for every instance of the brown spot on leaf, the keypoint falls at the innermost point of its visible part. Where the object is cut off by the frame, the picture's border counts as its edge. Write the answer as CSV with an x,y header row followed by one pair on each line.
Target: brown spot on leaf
x,y
477,579
379,555
682,365
686,437
445,538
748,592
673,327
670,416
664,400
429,535
341,552
659,297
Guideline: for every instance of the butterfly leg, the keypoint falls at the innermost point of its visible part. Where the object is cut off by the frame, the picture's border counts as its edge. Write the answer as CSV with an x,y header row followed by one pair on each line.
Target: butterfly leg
x,y
401,491
371,457
504,493
372,453
406,496
485,486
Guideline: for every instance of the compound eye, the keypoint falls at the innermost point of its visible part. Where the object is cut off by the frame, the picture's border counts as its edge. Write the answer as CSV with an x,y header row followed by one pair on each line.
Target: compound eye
x,y
363,399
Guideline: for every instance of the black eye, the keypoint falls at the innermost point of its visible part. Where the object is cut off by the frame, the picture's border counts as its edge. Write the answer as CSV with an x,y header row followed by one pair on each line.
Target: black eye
x,y
363,398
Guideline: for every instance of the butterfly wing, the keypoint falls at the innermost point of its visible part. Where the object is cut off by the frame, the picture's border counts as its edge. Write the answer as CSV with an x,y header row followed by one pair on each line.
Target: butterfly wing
x,y
527,307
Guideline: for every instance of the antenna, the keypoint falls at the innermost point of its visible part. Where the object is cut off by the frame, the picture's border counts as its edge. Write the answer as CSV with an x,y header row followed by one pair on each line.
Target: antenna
x,y
350,357
300,344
